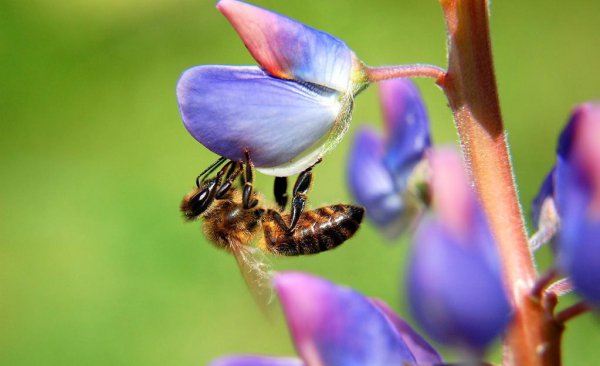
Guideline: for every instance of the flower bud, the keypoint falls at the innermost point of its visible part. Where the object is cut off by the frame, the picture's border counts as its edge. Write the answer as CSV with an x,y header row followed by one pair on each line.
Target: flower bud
x,y
578,201
380,169
455,289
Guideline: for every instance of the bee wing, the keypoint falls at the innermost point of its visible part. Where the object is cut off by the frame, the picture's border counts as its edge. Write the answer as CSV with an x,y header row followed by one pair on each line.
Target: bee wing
x,y
256,272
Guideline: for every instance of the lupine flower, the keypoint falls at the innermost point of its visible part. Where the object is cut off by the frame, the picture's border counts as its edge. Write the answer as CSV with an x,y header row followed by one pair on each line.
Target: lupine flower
x,y
333,325
576,193
380,168
289,111
455,288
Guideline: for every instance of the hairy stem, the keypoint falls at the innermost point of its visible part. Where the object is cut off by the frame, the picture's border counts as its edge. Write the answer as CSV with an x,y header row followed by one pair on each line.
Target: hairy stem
x,y
405,71
470,87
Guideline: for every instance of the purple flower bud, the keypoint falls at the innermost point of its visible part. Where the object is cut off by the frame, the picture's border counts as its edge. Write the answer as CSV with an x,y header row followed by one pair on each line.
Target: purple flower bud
x,y
287,115
578,200
407,126
251,360
372,185
334,325
379,168
455,289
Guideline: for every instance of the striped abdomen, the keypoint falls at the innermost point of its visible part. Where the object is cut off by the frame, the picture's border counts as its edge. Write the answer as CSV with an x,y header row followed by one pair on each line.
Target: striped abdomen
x,y
317,230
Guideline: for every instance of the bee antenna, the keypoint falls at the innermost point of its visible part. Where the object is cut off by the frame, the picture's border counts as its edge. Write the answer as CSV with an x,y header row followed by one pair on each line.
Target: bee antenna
x,y
202,176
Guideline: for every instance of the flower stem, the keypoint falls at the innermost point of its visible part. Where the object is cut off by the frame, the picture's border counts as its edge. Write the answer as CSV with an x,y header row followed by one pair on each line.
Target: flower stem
x,y
470,86
572,312
543,282
375,74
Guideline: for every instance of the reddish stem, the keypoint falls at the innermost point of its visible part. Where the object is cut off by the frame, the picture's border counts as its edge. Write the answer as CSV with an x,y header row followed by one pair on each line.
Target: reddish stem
x,y
375,74
572,312
543,282
470,85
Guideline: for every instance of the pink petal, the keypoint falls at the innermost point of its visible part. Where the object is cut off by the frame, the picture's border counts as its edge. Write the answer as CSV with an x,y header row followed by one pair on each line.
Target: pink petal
x,y
288,49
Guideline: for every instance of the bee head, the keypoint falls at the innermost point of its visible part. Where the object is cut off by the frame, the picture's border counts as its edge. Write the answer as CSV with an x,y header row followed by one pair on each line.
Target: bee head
x,y
199,200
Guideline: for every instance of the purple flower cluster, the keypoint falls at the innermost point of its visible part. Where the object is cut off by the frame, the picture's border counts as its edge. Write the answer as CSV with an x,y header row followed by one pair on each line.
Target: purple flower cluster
x,y
295,106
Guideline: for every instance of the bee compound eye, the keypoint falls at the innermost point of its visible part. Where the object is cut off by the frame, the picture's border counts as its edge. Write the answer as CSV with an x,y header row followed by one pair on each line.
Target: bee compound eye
x,y
200,196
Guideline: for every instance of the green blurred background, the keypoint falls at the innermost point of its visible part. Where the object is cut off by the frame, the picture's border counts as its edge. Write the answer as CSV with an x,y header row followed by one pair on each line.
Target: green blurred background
x,y
97,266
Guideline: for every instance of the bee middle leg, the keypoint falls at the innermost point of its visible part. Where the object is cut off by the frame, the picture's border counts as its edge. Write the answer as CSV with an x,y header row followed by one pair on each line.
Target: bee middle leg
x,y
301,187
298,201
280,192
299,192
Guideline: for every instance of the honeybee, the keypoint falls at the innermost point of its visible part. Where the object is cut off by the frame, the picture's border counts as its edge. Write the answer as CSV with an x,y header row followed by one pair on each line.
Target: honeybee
x,y
233,218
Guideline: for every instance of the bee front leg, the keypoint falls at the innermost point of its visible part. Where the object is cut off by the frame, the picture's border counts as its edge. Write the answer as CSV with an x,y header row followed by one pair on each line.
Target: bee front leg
x,y
234,170
248,199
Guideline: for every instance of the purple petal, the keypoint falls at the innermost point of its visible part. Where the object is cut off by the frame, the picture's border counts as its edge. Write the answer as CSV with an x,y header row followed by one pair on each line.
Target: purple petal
x,y
546,191
248,360
565,140
451,190
424,353
578,161
288,49
371,183
454,281
453,293
283,124
580,255
578,196
407,125
333,325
